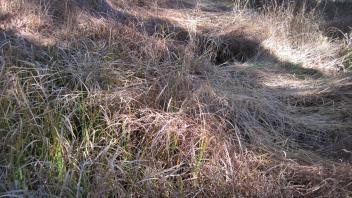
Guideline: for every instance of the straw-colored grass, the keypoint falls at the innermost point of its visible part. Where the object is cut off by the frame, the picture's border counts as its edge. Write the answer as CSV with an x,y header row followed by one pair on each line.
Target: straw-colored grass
x,y
235,104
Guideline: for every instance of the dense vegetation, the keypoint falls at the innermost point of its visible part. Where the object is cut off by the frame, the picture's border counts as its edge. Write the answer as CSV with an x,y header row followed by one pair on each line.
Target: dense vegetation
x,y
176,98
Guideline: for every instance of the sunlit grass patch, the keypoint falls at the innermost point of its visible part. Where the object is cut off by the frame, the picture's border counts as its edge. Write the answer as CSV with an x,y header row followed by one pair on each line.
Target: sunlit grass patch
x,y
111,107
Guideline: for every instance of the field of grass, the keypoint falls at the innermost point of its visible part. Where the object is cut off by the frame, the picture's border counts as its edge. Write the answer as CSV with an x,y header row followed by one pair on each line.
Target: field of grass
x,y
116,98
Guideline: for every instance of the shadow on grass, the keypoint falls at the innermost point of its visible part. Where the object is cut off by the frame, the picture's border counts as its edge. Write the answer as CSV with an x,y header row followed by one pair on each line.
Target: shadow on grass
x,y
299,71
4,17
229,48
13,45
178,4
203,5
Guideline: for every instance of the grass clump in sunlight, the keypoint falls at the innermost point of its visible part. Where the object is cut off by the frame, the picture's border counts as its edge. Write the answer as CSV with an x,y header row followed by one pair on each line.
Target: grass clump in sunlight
x,y
109,98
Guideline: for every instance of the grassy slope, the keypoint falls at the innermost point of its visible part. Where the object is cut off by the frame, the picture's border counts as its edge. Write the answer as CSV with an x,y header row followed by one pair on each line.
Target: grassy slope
x,y
120,100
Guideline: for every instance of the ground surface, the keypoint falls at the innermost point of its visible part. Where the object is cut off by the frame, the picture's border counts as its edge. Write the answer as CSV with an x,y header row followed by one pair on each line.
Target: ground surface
x,y
174,99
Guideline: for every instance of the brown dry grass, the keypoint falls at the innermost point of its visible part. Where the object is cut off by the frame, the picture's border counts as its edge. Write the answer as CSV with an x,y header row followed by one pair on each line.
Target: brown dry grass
x,y
93,104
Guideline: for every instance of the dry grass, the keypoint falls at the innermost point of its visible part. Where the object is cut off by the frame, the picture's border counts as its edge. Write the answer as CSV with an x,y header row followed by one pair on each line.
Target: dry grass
x,y
95,105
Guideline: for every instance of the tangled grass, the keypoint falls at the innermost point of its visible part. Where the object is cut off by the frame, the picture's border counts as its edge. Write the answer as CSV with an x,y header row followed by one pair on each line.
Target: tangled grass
x,y
93,105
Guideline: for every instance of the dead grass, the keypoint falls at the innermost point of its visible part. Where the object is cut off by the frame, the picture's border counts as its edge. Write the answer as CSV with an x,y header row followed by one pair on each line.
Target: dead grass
x,y
94,106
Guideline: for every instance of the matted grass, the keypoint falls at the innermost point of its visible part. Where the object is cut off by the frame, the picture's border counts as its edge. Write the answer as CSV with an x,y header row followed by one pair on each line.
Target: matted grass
x,y
111,99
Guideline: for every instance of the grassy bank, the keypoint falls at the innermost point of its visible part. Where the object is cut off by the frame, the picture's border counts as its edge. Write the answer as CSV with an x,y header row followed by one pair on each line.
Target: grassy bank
x,y
135,99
